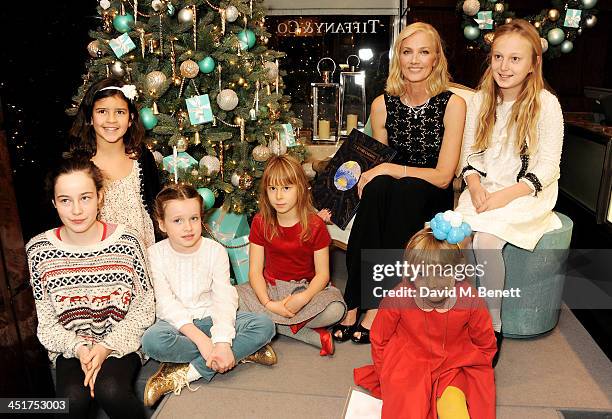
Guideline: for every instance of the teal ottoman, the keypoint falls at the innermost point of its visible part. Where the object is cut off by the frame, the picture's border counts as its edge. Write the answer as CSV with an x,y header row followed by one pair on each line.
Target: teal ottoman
x,y
540,276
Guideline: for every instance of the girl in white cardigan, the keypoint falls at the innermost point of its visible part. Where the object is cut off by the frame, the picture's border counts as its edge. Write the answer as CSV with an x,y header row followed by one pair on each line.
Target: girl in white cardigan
x,y
198,332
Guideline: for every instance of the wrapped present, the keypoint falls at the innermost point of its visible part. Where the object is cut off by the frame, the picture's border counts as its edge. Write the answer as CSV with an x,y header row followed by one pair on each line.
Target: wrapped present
x,y
199,109
122,45
572,18
238,252
287,135
183,161
224,226
485,19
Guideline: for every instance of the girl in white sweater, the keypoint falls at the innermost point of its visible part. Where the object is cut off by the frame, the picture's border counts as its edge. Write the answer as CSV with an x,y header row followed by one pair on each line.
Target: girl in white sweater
x,y
198,332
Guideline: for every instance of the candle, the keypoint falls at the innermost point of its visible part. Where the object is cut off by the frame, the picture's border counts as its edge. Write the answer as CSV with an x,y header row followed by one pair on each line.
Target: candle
x,y
323,129
351,122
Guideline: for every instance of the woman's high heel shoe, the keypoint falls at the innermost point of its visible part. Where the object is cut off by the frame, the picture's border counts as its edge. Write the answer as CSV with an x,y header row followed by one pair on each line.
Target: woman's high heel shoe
x,y
364,337
345,331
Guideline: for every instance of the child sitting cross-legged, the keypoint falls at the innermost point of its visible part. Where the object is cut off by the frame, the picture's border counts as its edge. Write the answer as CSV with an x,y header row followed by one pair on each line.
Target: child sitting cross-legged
x,y
198,332
432,348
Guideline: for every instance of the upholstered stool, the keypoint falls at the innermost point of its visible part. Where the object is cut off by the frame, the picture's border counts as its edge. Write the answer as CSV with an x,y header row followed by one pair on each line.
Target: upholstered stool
x,y
540,276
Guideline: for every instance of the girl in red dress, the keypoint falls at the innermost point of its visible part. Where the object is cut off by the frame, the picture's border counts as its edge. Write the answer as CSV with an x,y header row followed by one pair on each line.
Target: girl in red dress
x,y
432,348
289,259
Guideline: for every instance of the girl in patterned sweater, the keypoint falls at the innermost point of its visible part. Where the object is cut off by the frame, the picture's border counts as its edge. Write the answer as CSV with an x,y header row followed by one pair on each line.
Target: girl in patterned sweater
x,y
93,296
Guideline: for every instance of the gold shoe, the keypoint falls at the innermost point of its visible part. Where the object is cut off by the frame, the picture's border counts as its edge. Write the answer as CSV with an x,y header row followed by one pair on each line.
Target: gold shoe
x,y
169,377
264,356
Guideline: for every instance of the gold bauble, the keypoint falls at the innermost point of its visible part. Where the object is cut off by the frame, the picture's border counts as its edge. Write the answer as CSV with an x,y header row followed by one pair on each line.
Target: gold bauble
x,y
189,69
181,144
154,81
245,182
261,153
237,120
499,8
553,14
508,20
176,80
94,49
537,24
488,37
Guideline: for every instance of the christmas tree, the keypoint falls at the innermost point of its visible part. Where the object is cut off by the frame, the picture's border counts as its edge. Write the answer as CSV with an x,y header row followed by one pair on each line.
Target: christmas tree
x,y
209,90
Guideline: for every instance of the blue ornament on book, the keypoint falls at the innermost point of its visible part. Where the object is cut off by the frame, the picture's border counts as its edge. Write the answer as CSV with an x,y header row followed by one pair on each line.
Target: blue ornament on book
x,y
450,226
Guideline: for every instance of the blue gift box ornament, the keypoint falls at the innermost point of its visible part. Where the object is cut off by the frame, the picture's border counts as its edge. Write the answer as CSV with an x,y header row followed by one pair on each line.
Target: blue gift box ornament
x,y
572,18
485,20
287,135
122,45
224,226
199,109
183,161
238,252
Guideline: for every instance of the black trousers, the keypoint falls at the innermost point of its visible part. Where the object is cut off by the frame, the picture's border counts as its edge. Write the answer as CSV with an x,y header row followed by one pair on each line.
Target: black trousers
x,y
391,211
114,389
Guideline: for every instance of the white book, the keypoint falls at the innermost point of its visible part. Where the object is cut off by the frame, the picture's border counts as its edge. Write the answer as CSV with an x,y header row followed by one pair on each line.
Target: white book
x,y
360,405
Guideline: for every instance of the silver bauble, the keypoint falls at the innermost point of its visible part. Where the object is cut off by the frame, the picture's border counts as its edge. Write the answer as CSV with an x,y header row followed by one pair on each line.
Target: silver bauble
x,y
157,5
271,70
189,69
588,4
158,157
278,146
555,36
211,163
94,49
499,7
235,179
590,21
231,14
567,46
117,69
471,7
553,15
261,153
181,144
544,43
185,15
154,81
227,99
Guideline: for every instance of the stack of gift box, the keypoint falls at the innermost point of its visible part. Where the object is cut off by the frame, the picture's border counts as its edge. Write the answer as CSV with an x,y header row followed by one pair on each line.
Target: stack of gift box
x,y
232,231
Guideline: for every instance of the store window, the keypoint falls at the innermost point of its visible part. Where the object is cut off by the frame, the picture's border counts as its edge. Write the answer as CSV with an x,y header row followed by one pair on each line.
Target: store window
x,y
308,39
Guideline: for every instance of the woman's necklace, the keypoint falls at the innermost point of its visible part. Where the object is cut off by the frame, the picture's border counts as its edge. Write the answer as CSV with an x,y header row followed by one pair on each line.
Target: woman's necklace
x,y
414,112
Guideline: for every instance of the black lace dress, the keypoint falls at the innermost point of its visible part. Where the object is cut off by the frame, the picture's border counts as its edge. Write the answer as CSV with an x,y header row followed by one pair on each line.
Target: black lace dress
x,y
392,210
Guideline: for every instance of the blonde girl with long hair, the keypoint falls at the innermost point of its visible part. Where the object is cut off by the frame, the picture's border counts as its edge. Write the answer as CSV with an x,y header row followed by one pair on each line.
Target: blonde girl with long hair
x,y
423,121
511,154
289,259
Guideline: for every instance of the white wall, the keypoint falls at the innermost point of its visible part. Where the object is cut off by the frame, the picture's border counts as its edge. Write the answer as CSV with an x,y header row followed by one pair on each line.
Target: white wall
x,y
332,7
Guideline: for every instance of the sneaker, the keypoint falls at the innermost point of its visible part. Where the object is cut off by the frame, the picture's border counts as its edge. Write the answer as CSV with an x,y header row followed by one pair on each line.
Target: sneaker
x,y
169,377
264,356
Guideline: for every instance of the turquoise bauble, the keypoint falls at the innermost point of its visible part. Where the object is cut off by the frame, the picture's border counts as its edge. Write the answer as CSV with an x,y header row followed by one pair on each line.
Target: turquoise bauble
x,y
208,196
588,4
555,36
247,37
123,23
471,32
207,65
149,120
567,46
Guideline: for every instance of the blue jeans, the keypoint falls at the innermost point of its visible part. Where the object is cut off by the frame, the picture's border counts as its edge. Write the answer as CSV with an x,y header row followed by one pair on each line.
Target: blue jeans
x,y
165,343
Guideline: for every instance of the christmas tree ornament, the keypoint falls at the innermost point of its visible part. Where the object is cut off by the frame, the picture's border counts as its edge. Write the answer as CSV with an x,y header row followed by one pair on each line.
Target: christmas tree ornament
x,y
508,20
277,146
231,14
471,7
253,114
271,70
544,43
247,37
157,5
208,197
590,21
567,46
93,48
488,37
261,153
572,18
555,36
207,65
235,179
123,23
117,68
105,4
553,15
185,15
499,8
154,107
196,138
484,19
195,172
537,24
181,144
122,45
227,99
211,164
245,182
158,157
135,11
588,4
148,119
471,32
154,81
194,24
189,69
171,9
199,109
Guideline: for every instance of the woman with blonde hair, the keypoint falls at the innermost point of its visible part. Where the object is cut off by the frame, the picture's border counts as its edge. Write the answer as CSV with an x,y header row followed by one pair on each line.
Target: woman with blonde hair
x,y
423,121
512,150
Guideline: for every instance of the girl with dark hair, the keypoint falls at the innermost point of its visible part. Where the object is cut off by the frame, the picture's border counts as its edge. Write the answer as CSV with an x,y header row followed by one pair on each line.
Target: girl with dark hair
x,y
93,297
107,129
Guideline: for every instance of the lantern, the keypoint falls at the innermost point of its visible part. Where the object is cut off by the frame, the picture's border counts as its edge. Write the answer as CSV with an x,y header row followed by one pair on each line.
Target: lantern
x,y
326,111
353,99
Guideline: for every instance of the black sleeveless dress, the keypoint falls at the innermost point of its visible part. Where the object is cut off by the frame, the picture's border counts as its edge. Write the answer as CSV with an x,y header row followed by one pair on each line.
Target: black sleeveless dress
x,y
392,210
